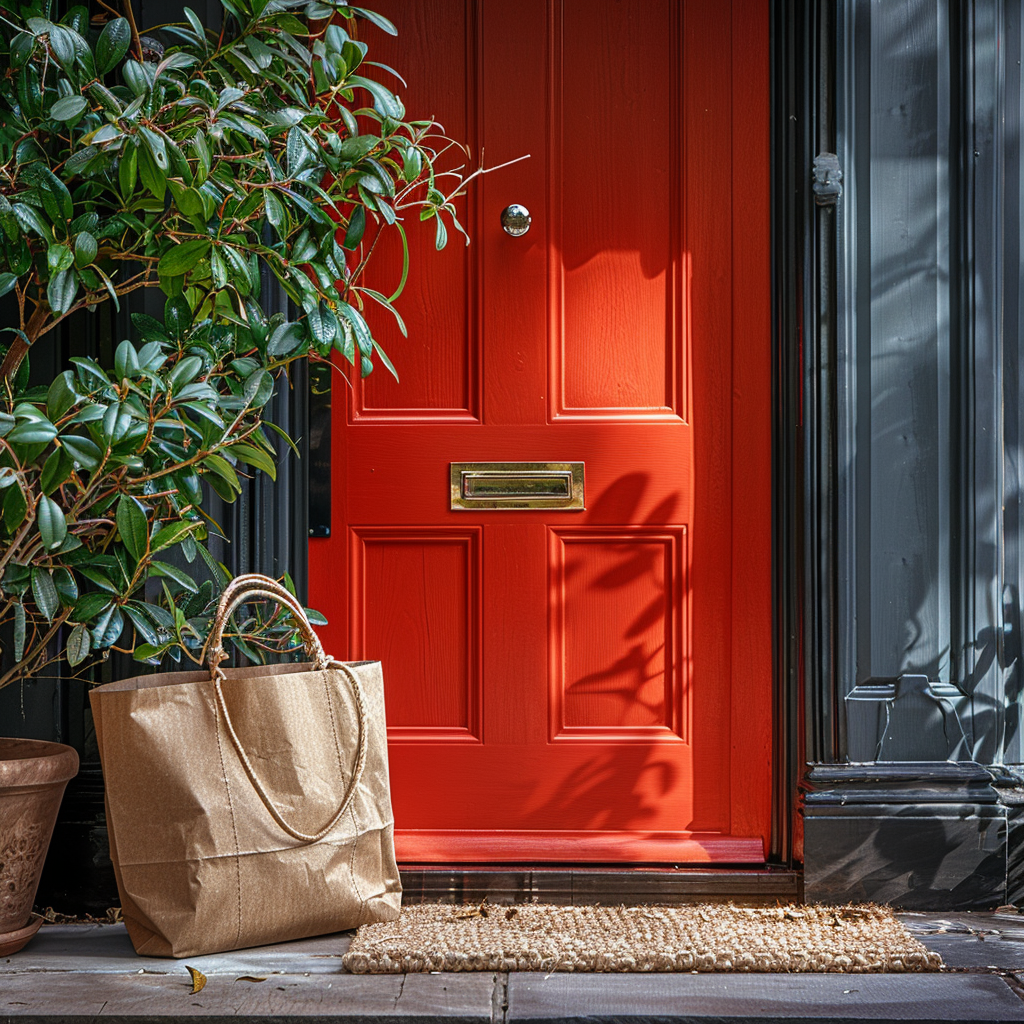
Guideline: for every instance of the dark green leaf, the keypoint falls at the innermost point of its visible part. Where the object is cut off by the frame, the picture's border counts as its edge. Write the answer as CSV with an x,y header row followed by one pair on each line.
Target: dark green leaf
x,y
177,315
88,606
184,372
132,525
378,19
45,593
108,627
83,450
322,324
223,470
259,386
254,457
356,227
276,213
243,278
33,432
19,631
53,528
61,291
59,257
183,258
115,421
56,470
61,395
134,611
82,161
218,270
285,339
112,44
128,169
183,579
21,49
79,645
67,588
153,177
384,100
86,248
70,108
188,485
126,360
172,534
15,508
364,339
30,220
150,328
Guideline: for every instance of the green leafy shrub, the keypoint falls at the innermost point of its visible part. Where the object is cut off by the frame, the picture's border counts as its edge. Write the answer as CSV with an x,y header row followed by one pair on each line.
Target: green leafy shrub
x,y
194,162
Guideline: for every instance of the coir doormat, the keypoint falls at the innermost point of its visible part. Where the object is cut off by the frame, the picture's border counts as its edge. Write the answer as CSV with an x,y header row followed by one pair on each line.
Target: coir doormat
x,y
695,937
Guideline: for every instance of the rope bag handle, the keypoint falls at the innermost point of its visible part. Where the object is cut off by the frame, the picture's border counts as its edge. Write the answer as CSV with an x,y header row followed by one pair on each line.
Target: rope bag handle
x,y
246,588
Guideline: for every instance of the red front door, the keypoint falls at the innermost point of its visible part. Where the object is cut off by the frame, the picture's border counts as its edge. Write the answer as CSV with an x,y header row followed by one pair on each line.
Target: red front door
x,y
574,685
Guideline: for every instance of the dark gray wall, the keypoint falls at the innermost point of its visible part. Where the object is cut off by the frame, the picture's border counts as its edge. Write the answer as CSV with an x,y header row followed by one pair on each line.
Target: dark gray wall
x,y
928,385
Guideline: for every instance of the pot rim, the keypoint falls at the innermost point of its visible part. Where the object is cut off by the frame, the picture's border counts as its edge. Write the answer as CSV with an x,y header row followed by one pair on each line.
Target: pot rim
x,y
25,762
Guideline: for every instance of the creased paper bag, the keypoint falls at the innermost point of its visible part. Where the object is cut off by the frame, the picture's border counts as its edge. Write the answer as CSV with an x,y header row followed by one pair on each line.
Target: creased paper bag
x,y
248,806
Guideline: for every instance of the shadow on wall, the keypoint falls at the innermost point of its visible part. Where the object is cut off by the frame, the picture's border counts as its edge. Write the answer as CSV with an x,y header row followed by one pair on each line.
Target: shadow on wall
x,y
945,861
933,550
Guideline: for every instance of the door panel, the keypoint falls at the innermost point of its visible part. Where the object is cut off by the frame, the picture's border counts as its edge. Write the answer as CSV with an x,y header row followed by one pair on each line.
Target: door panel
x,y
589,685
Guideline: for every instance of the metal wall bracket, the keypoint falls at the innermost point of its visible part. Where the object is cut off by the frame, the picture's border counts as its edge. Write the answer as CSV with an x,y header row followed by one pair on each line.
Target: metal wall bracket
x,y
827,183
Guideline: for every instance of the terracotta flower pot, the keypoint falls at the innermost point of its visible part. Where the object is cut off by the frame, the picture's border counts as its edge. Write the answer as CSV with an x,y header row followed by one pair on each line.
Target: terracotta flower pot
x,y
33,774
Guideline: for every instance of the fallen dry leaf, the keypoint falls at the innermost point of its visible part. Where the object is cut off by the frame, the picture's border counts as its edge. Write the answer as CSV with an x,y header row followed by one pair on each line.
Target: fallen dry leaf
x,y
198,979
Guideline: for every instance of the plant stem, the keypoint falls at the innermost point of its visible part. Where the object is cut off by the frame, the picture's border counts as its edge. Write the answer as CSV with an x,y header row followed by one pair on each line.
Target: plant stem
x,y
136,41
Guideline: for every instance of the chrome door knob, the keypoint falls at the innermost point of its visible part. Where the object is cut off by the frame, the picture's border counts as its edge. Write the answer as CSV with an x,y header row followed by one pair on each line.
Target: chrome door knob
x,y
515,220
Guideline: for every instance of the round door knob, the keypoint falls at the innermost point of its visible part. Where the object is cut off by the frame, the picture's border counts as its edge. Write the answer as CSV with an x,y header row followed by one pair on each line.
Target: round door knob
x,y
515,220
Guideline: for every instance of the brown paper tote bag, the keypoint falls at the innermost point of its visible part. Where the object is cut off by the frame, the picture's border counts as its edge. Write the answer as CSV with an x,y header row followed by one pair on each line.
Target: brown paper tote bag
x,y
248,806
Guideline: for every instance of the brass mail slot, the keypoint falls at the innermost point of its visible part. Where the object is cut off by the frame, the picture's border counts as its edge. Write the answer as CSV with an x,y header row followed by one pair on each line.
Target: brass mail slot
x,y
517,485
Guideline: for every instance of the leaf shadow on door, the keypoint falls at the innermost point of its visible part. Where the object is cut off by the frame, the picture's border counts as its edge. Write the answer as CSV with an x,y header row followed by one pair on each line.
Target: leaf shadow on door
x,y
618,624
637,571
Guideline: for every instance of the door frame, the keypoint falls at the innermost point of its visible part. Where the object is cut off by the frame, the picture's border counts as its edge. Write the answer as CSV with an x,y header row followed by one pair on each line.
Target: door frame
x,y
804,456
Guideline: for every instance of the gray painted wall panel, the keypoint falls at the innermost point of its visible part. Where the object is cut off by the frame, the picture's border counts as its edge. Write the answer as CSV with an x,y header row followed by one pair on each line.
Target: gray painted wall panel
x,y
928,363
904,355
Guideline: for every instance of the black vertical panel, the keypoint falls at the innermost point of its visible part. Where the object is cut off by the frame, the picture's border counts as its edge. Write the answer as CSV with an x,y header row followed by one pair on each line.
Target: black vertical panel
x,y
1010,182
982,227
321,389
802,84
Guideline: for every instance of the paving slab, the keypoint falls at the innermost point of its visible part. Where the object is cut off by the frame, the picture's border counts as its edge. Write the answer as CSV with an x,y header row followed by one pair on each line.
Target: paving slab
x,y
788,998
147,999
983,940
90,972
106,949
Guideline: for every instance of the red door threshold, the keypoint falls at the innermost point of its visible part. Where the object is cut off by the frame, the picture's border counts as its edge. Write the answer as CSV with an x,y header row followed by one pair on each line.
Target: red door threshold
x,y
590,847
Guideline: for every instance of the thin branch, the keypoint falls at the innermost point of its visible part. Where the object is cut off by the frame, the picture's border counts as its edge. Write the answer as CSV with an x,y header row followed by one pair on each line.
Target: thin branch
x,y
130,15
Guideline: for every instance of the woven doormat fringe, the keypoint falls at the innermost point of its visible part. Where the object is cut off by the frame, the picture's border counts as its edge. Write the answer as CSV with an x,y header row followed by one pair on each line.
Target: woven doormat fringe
x,y
704,937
